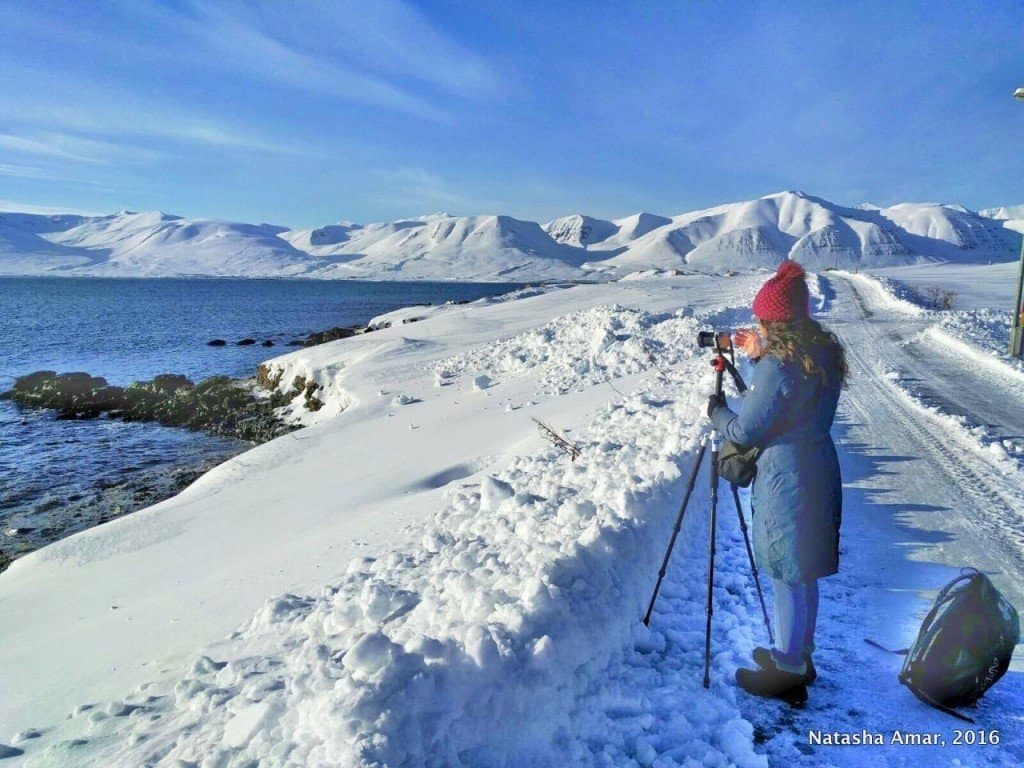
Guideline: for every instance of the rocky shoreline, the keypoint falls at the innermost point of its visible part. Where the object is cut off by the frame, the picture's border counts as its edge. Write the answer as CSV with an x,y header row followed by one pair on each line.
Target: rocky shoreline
x,y
312,339
218,405
245,409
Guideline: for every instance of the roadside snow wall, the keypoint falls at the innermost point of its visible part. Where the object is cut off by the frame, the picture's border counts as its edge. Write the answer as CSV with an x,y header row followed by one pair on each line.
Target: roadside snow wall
x,y
471,649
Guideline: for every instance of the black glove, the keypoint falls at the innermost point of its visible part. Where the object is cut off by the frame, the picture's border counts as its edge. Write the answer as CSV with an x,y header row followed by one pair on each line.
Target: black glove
x,y
715,401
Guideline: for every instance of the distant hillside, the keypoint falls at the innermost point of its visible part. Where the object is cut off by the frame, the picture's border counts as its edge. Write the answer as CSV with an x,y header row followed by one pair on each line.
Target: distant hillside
x,y
1003,212
749,234
442,247
150,244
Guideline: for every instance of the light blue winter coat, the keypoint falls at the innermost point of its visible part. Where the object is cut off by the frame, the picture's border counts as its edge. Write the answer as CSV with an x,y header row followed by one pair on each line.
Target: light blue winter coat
x,y
796,498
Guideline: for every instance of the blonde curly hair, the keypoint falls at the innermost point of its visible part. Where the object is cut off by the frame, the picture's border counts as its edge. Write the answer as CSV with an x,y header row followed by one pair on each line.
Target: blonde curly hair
x,y
792,339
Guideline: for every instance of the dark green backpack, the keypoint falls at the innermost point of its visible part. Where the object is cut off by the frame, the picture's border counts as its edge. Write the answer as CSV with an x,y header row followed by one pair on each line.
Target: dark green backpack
x,y
964,645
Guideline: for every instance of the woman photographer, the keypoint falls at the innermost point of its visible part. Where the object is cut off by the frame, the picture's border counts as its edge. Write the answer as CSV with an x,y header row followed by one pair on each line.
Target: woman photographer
x,y
796,499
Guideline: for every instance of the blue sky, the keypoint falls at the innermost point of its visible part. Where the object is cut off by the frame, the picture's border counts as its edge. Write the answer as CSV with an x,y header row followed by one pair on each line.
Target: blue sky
x,y
307,113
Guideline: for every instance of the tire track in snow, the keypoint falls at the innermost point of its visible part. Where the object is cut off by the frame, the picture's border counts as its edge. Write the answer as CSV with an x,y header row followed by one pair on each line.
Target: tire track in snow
x,y
979,492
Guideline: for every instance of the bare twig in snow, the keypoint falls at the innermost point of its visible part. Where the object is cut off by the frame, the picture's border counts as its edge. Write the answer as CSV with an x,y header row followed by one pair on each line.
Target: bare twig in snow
x,y
557,440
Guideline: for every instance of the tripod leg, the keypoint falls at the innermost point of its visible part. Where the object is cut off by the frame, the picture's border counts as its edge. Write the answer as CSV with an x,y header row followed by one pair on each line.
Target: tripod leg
x,y
753,565
675,531
711,556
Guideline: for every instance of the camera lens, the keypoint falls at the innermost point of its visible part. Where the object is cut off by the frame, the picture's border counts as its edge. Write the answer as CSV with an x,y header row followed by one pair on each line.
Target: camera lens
x,y
705,338
716,339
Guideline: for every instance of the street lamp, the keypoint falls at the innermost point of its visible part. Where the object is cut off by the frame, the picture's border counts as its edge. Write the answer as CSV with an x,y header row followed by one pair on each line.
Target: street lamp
x,y
1016,332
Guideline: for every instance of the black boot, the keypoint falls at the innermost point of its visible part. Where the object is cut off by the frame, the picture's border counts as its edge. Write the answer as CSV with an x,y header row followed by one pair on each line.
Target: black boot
x,y
773,683
764,659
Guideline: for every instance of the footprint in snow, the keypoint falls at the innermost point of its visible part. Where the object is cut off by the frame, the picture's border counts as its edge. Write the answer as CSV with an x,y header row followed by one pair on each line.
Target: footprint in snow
x,y
27,735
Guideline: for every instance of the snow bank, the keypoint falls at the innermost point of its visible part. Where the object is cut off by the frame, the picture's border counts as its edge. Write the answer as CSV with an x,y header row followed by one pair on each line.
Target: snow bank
x,y
418,313
821,293
654,274
882,291
581,349
982,334
981,331
1007,455
471,648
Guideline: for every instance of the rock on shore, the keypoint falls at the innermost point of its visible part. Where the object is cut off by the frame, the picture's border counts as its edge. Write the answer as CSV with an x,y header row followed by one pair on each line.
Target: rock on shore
x,y
219,405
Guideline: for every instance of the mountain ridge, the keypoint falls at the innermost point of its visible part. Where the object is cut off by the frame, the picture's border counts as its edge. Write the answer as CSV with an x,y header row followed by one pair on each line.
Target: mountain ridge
x,y
758,233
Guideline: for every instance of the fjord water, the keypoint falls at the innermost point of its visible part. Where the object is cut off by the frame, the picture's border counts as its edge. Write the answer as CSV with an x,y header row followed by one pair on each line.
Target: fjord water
x,y
57,477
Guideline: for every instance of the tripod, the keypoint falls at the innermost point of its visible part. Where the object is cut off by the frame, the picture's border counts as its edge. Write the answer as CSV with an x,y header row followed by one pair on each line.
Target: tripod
x,y
721,364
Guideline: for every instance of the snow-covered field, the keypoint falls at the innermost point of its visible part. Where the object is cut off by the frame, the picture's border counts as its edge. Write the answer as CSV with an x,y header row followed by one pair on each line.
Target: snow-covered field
x,y
418,578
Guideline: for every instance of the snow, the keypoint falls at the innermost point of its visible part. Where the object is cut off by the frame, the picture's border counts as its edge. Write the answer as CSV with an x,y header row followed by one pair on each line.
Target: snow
x,y
882,292
978,323
213,554
155,244
757,233
362,592
580,230
1003,212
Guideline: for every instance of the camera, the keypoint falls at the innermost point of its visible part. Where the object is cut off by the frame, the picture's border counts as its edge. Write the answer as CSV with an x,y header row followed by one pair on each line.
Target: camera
x,y
720,340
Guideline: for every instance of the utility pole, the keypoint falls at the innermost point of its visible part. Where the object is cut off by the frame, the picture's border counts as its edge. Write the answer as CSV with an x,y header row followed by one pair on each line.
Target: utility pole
x,y
1016,331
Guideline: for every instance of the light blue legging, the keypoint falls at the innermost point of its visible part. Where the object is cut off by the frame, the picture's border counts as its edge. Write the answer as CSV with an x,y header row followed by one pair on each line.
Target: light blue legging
x,y
796,612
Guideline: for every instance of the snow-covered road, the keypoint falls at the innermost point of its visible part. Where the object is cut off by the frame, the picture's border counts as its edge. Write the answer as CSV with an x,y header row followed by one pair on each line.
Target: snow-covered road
x,y
976,493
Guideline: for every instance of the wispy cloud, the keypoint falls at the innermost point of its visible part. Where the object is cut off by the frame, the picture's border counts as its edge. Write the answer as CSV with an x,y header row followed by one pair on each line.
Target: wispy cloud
x,y
81,107
418,190
23,145
387,54
16,171
380,54
63,146
15,206
388,37
42,173
239,40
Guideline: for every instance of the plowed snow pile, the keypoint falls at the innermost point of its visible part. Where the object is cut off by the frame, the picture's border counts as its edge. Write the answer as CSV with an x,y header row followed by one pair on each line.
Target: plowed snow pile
x,y
473,646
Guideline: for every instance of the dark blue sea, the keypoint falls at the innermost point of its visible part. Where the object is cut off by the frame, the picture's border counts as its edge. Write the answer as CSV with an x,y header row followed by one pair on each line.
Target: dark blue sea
x,y
58,477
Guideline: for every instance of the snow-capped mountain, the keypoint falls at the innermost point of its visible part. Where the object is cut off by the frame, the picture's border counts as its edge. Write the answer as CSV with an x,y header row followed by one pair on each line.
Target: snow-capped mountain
x,y
819,234
1010,216
1003,212
580,230
441,247
152,244
598,234
753,233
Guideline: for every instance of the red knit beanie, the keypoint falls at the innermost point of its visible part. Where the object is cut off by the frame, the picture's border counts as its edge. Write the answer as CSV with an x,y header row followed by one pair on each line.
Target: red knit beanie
x,y
784,296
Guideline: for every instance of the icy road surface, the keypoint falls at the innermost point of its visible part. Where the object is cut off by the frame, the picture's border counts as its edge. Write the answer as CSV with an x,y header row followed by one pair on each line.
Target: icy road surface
x,y
977,495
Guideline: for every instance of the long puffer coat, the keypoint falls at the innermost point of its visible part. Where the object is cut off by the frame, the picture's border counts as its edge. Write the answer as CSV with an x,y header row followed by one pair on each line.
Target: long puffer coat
x,y
796,499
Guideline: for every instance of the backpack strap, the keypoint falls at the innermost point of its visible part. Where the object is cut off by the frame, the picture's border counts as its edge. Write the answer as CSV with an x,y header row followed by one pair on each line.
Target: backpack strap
x,y
966,574
918,692
941,707
901,651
